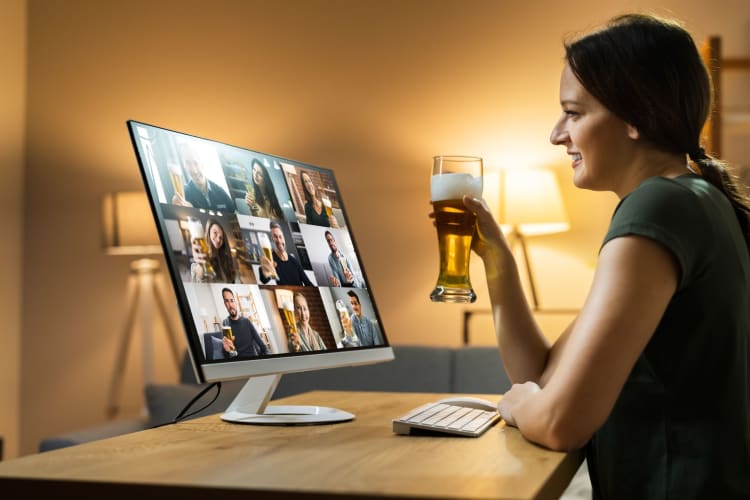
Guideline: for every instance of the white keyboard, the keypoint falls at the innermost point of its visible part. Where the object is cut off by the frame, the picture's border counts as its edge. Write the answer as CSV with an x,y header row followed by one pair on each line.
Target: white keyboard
x,y
446,419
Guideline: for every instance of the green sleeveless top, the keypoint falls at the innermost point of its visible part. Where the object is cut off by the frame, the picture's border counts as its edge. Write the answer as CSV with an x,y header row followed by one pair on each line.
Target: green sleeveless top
x,y
680,428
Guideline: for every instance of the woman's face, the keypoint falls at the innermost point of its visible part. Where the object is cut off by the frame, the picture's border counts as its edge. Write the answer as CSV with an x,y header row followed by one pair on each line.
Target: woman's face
x,y
216,235
258,175
307,181
301,310
600,144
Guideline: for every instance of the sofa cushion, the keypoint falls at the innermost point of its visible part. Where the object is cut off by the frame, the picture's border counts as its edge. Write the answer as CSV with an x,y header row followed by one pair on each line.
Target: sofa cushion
x,y
109,429
479,370
414,369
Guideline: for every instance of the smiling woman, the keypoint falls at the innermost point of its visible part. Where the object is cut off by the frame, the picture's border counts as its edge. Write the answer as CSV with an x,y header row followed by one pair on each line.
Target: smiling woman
x,y
623,378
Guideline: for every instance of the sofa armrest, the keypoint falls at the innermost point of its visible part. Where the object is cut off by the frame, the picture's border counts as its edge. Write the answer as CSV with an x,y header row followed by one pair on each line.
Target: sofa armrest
x,y
110,429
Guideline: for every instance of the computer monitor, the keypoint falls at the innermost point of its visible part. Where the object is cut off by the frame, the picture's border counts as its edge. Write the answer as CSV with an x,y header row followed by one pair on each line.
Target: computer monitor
x,y
264,265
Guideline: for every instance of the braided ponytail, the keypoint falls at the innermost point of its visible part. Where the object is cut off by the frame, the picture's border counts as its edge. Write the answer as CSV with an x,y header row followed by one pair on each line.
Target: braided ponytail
x,y
715,171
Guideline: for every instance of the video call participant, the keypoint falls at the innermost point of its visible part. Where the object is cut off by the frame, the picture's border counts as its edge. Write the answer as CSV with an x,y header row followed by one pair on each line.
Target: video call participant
x,y
306,339
219,253
247,342
340,276
200,192
315,211
287,267
263,201
364,327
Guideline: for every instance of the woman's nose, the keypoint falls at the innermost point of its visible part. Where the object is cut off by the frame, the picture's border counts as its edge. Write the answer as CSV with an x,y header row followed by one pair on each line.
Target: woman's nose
x,y
559,135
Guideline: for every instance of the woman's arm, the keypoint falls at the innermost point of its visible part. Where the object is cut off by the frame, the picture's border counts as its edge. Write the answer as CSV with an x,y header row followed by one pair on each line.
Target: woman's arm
x,y
523,347
635,279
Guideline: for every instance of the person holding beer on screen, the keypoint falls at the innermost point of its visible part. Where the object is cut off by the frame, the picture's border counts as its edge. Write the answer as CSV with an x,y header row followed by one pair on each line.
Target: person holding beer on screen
x,y
243,338
653,375
261,196
200,192
341,271
366,330
307,339
284,266
219,253
318,208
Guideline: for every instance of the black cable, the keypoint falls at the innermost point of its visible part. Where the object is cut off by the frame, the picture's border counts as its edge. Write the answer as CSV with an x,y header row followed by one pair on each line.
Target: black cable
x,y
182,415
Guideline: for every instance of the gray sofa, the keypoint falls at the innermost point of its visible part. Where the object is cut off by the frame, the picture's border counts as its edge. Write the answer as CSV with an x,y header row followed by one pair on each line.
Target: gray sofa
x,y
475,370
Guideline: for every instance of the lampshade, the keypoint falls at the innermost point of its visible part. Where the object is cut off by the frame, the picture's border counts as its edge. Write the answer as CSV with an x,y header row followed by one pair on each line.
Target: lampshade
x,y
128,225
530,202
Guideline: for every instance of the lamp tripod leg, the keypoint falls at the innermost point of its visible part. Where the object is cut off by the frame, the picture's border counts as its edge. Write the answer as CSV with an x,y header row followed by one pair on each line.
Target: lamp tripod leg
x,y
122,353
529,272
514,237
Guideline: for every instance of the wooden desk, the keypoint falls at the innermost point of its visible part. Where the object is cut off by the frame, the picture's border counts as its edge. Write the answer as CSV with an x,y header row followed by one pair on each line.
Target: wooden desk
x,y
209,459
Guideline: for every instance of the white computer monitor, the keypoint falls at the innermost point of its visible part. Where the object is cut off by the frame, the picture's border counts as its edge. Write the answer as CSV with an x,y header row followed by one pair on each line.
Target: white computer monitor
x,y
264,265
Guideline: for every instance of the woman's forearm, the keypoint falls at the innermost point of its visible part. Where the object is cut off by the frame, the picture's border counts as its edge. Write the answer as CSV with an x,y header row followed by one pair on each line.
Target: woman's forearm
x,y
523,347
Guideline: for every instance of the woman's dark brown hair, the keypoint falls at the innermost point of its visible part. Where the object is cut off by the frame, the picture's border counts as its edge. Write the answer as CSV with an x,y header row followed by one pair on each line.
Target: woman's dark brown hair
x,y
648,71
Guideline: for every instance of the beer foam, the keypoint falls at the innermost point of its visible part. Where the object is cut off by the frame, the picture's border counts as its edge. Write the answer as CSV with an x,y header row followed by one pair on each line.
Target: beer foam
x,y
454,186
195,228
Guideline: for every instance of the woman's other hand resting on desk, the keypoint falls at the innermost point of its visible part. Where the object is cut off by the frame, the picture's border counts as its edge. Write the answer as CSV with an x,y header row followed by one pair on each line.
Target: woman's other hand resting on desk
x,y
515,396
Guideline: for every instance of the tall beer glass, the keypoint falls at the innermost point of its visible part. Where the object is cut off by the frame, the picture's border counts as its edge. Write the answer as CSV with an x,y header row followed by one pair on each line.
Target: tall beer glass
x,y
265,247
175,175
198,236
327,205
452,178
287,309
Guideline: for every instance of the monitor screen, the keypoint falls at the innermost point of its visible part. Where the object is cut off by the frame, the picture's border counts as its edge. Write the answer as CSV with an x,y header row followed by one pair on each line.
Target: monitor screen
x,y
263,262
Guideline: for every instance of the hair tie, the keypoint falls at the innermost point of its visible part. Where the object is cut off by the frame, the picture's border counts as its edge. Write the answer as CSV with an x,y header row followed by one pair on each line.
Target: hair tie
x,y
697,154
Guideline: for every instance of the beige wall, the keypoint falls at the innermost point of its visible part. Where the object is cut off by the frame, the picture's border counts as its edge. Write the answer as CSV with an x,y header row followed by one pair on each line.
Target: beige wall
x,y
371,89
12,127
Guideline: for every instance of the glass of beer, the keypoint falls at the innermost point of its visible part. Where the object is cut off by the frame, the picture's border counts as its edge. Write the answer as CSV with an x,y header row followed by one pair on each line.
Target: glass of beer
x,y
287,309
175,175
345,267
327,205
265,247
346,323
226,331
452,178
198,237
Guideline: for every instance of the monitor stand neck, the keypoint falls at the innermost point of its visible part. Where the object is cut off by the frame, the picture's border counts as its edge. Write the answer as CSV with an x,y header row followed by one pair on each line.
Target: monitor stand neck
x,y
250,407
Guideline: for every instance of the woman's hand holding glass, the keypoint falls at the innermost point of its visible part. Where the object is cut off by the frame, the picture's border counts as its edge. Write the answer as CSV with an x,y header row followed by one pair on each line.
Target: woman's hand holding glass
x,y
489,237
250,200
198,256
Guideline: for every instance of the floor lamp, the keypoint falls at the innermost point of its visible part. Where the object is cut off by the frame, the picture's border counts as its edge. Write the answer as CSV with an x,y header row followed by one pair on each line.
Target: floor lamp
x,y
530,204
128,229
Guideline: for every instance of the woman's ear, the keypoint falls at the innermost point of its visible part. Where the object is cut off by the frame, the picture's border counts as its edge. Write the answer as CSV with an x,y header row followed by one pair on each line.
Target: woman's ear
x,y
632,132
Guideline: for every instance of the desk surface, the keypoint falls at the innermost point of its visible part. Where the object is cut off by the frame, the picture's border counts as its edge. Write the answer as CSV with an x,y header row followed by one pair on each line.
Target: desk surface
x,y
209,459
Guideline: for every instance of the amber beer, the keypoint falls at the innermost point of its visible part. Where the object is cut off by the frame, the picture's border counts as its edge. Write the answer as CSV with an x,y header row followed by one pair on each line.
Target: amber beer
x,y
265,247
198,236
288,309
455,225
226,331
327,205
175,175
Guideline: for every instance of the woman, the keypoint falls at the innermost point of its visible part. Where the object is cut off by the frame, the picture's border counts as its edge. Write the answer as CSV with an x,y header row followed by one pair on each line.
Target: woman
x,y
652,377
315,212
219,253
262,200
307,339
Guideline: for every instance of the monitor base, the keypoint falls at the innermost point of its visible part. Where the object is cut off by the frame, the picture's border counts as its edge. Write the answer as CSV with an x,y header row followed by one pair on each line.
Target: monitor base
x,y
289,415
